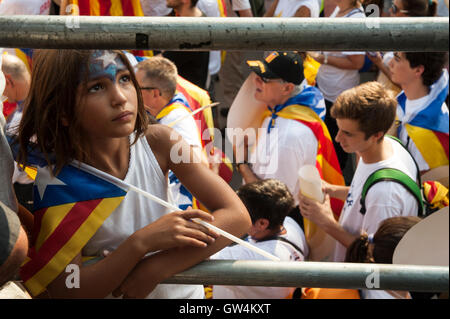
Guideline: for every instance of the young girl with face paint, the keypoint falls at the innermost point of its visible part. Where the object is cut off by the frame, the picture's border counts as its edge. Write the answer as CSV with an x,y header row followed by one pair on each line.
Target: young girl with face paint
x,y
86,106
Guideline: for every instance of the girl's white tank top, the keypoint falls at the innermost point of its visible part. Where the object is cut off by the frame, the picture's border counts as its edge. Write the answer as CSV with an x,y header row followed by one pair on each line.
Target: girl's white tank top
x,y
136,212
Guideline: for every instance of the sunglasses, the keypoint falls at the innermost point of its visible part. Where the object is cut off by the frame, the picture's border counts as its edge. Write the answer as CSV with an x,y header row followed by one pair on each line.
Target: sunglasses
x,y
395,9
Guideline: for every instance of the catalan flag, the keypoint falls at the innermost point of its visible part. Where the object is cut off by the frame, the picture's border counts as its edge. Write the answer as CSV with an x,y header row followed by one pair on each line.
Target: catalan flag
x,y
197,97
435,194
68,210
428,127
112,8
222,8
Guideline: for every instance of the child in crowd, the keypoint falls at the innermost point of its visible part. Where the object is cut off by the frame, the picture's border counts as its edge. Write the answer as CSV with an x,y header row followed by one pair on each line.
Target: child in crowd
x,y
268,202
85,109
379,248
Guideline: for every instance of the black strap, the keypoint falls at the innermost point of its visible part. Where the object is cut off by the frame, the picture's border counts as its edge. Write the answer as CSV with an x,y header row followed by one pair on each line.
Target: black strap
x,y
276,237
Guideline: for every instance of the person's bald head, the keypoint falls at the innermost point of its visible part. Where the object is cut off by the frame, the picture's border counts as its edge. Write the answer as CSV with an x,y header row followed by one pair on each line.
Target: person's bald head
x,y
18,78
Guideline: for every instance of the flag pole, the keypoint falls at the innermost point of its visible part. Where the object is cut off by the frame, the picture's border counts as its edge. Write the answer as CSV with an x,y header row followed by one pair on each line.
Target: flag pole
x,y
171,124
127,187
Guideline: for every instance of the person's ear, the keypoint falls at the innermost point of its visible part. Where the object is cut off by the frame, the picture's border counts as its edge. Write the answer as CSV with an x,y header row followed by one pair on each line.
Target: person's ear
x,y
288,88
261,224
378,136
418,70
9,81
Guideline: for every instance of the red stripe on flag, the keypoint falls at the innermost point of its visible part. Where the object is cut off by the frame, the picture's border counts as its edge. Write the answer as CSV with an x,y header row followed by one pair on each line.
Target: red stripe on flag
x,y
60,236
194,104
37,224
127,8
85,7
432,192
443,139
105,7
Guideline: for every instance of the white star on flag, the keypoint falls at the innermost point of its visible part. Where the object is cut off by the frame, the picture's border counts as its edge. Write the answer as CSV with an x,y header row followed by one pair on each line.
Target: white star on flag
x,y
45,179
107,58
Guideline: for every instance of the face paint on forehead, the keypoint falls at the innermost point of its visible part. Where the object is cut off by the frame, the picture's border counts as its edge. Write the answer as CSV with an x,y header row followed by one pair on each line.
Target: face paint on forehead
x,y
105,64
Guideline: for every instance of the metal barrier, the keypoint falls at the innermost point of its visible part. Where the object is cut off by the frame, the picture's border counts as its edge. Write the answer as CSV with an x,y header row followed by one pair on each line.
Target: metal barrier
x,y
316,274
182,33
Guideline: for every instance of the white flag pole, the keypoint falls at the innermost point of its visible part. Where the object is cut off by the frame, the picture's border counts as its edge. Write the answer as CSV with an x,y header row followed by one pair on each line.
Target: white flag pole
x,y
171,124
127,187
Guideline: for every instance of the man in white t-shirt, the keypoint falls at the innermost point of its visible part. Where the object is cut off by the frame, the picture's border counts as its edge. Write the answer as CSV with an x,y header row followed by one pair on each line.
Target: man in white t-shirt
x,y
422,112
364,115
157,78
32,7
285,144
268,202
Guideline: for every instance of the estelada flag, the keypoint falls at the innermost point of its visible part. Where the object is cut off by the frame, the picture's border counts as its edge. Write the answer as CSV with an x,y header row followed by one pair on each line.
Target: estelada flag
x,y
111,8
68,210
428,127
197,97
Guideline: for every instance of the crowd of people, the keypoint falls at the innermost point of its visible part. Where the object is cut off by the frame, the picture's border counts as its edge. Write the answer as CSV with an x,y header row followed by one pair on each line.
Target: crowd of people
x,y
82,130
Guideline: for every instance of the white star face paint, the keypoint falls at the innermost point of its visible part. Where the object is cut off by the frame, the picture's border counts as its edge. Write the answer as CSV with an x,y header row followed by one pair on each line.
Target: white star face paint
x,y
104,64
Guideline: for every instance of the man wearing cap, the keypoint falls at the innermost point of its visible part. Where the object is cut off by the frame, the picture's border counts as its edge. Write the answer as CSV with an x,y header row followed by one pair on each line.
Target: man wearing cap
x,y
292,133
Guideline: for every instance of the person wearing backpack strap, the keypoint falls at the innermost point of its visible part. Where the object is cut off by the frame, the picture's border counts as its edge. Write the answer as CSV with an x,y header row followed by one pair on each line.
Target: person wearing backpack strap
x,y
364,114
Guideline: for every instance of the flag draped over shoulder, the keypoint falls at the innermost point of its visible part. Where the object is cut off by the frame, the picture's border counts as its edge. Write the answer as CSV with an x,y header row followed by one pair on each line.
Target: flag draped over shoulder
x,y
112,8
68,210
307,109
222,8
429,127
197,97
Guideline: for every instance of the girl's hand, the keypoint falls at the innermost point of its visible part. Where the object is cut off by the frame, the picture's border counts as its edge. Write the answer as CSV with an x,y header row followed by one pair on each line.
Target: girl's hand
x,y
177,229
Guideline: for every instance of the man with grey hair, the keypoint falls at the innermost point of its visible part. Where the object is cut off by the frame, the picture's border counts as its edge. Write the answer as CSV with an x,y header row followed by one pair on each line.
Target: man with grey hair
x,y
17,77
13,239
285,140
18,81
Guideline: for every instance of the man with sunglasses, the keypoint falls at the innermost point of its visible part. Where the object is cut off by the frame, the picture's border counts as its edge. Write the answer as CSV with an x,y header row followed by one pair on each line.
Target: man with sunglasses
x,y
157,78
292,132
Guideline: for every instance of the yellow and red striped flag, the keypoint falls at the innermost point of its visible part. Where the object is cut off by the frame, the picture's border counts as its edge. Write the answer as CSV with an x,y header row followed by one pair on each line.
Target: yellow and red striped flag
x,y
68,210
112,8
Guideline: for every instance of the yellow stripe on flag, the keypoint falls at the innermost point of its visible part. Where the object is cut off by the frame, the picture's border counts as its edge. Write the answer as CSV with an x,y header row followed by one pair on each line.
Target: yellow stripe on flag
x,y
94,7
116,8
67,253
51,219
428,145
137,8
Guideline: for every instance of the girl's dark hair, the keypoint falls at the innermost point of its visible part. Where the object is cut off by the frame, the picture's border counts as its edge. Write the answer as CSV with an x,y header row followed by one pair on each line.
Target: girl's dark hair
x,y
52,100
269,199
385,240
